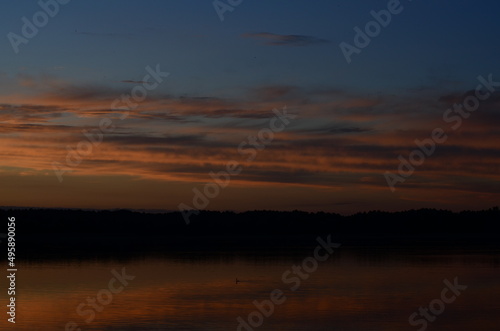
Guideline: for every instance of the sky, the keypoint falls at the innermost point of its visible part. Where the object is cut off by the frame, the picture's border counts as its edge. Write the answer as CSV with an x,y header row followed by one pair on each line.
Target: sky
x,y
334,114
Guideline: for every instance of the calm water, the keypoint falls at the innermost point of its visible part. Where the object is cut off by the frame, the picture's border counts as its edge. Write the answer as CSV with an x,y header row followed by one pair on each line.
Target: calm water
x,y
356,289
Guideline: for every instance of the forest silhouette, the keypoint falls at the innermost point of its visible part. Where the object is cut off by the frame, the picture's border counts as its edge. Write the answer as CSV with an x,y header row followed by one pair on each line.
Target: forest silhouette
x,y
66,233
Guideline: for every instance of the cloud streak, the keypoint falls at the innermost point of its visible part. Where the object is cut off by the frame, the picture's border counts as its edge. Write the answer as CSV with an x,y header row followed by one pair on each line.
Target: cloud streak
x,y
342,142
273,39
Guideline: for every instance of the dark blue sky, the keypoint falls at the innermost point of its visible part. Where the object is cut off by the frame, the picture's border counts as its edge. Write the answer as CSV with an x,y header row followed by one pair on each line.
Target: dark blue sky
x,y
426,43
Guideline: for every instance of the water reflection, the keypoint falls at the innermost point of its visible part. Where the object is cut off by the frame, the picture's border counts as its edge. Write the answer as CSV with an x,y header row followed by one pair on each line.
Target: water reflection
x,y
358,288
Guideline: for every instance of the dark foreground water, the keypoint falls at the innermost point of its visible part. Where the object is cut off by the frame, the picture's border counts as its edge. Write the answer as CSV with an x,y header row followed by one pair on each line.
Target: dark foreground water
x,y
357,288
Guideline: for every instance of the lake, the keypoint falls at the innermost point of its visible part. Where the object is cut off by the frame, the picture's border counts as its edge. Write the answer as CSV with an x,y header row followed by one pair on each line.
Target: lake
x,y
357,288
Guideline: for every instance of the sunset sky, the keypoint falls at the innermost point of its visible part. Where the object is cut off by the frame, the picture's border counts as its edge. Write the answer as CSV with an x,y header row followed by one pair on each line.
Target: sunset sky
x,y
351,120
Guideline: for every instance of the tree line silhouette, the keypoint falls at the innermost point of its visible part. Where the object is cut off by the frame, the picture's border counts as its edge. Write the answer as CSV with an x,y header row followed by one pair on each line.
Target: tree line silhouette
x,y
264,222
81,234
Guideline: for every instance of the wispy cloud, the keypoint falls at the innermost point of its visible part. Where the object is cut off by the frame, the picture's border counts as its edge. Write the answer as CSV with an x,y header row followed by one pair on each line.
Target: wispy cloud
x,y
104,34
133,81
343,139
274,39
